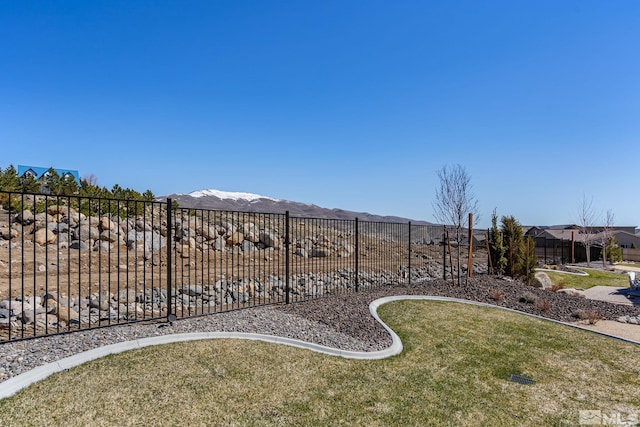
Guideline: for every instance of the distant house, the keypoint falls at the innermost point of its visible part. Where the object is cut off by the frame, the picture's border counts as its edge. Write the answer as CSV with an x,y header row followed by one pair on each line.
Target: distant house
x,y
41,173
626,240
554,242
566,232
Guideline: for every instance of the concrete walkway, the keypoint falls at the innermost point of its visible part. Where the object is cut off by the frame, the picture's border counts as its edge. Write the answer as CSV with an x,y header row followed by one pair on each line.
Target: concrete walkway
x,y
626,268
624,296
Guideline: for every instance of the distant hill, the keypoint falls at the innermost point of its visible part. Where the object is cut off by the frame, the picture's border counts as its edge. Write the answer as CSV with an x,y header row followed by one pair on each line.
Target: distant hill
x,y
248,202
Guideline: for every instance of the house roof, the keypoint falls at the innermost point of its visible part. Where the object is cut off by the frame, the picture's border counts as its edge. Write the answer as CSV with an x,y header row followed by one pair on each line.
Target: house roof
x,y
40,171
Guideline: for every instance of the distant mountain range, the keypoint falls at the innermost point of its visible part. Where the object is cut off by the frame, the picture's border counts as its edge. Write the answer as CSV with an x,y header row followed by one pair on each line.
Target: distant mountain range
x,y
248,202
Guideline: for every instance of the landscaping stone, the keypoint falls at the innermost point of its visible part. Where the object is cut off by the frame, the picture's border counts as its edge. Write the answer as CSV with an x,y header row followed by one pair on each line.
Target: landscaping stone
x,y
542,280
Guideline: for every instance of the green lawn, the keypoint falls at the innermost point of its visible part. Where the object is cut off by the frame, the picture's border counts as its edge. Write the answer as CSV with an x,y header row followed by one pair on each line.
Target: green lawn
x,y
595,278
454,371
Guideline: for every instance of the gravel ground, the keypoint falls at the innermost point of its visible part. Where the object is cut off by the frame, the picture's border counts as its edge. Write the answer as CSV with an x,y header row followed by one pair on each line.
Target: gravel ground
x,y
341,321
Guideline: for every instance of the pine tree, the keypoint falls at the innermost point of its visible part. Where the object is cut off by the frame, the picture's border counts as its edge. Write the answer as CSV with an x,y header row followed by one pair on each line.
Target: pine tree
x,y
9,179
530,261
29,184
514,242
614,251
496,246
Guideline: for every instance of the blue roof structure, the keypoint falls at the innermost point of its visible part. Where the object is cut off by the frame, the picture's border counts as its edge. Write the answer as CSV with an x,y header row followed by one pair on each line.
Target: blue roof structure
x,y
38,172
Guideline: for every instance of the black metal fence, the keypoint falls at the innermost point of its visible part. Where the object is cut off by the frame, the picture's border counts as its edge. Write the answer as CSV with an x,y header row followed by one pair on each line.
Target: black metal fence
x,y
74,263
559,251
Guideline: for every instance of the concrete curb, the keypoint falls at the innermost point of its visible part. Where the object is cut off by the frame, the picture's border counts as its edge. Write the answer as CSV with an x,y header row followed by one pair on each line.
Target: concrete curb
x,y
560,271
17,383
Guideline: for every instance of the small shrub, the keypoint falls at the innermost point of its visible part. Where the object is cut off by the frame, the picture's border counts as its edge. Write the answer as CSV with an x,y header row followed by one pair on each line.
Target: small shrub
x,y
529,298
579,314
556,287
591,316
543,305
496,295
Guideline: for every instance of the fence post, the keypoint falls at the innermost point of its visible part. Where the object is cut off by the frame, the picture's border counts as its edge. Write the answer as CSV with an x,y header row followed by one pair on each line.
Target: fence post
x,y
287,243
357,254
169,260
409,253
444,255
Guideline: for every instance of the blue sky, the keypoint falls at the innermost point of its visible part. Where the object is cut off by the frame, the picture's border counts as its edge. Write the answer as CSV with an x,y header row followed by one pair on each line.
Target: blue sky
x,y
343,104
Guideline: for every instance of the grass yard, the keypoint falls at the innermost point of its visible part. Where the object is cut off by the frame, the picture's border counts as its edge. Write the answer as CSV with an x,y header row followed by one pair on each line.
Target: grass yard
x,y
454,371
595,278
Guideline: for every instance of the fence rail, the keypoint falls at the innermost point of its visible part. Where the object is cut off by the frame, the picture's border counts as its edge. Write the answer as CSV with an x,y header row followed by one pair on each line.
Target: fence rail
x,y
75,263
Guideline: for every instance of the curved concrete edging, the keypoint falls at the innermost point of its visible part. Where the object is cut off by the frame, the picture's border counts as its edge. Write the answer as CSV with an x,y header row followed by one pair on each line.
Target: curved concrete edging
x,y
583,273
17,383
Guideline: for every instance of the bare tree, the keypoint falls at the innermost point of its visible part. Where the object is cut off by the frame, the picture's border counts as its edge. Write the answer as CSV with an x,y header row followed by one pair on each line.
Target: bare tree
x,y
587,217
455,201
90,179
609,218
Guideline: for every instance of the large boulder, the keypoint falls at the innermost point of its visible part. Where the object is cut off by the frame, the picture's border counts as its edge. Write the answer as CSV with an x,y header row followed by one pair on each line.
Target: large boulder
x,y
43,219
106,224
109,236
86,232
542,280
235,239
220,244
57,209
321,252
207,231
151,239
249,227
44,236
8,234
574,292
140,225
270,240
25,217
66,314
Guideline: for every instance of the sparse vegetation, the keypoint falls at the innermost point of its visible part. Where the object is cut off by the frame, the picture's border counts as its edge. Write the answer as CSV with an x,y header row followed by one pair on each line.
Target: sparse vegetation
x,y
497,295
529,298
593,316
590,316
556,287
543,305
454,201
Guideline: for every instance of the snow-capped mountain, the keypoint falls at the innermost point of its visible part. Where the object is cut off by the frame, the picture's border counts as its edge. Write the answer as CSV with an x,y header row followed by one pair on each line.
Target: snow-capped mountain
x,y
249,202
229,195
